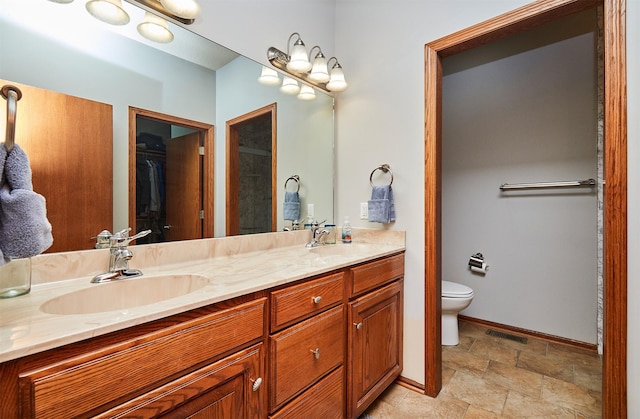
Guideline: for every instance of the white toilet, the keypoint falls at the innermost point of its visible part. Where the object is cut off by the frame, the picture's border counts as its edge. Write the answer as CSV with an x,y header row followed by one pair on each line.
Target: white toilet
x,y
455,298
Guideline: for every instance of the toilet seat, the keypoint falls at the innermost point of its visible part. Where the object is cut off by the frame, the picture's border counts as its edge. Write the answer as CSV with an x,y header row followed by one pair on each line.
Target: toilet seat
x,y
455,290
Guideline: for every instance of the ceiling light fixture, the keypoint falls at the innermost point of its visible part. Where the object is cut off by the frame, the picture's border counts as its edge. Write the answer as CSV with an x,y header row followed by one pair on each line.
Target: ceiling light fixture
x,y
155,28
299,66
108,11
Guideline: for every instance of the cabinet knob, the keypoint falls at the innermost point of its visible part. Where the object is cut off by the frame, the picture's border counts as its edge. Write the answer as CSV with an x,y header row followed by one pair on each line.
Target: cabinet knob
x,y
315,352
316,300
358,325
256,383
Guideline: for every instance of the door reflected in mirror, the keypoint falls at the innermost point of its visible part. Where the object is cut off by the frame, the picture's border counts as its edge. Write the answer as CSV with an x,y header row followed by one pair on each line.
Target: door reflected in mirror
x,y
171,161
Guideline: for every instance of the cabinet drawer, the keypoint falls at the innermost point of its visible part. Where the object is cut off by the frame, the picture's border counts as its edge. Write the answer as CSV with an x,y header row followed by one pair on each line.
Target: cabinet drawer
x,y
325,400
371,275
84,383
298,302
305,352
223,389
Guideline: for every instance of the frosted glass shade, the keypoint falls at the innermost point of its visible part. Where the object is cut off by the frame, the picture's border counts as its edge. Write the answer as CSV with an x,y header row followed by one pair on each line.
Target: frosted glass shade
x,y
186,9
307,93
155,29
108,11
319,72
268,77
299,63
289,86
337,82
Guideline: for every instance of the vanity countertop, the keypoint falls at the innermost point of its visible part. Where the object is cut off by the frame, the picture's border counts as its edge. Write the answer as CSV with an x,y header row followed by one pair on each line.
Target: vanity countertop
x,y
25,329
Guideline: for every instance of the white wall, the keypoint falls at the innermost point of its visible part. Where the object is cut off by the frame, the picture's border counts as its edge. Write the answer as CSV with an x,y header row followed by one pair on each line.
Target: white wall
x,y
524,110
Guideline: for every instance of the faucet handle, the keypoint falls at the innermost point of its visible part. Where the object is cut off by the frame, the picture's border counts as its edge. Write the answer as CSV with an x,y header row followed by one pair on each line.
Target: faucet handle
x,y
121,239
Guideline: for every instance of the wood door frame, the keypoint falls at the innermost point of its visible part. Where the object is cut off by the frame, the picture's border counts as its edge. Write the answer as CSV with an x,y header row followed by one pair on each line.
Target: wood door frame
x,y
207,178
233,199
614,374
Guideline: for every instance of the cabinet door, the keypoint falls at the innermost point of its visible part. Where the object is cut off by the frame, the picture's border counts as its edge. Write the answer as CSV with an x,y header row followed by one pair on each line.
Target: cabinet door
x,y
375,345
229,388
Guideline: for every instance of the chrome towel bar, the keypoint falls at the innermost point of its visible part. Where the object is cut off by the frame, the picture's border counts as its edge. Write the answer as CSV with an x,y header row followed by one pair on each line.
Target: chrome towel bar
x,y
12,94
539,185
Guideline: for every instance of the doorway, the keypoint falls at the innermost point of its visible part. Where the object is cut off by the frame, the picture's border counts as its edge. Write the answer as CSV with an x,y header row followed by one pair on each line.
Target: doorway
x,y
615,250
251,172
170,177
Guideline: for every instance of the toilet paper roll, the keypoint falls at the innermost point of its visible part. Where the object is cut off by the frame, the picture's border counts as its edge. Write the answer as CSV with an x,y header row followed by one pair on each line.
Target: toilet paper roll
x,y
480,269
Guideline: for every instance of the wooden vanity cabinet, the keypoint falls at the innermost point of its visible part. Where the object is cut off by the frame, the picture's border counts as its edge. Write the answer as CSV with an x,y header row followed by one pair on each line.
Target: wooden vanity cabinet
x,y
323,347
205,362
306,356
375,327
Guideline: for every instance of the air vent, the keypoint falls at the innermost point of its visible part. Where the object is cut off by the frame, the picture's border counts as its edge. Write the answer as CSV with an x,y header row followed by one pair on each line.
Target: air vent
x,y
502,335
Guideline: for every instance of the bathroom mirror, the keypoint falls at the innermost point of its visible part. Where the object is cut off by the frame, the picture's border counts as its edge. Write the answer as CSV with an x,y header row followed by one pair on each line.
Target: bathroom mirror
x,y
60,47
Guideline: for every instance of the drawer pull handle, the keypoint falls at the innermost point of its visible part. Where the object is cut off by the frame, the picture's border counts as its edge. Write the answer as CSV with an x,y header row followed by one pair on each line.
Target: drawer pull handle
x,y
315,352
256,383
358,325
316,300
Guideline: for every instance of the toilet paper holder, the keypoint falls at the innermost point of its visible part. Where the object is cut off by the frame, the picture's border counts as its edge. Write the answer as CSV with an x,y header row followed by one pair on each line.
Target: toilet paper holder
x,y
478,264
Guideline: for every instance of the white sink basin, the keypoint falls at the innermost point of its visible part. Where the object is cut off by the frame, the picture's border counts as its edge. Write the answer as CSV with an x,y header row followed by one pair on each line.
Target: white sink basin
x,y
124,294
335,249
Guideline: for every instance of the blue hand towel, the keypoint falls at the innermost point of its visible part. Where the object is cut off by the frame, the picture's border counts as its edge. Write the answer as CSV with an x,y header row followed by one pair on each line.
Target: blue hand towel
x,y
381,206
291,206
25,230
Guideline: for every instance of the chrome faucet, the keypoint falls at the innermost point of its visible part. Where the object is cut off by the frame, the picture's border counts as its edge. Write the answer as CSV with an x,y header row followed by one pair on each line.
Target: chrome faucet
x,y
317,233
119,257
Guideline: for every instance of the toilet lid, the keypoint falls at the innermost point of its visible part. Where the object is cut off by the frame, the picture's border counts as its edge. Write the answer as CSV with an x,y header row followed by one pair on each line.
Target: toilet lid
x,y
455,290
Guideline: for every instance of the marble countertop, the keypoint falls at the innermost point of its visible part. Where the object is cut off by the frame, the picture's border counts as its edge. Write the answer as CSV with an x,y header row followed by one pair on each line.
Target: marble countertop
x,y
25,328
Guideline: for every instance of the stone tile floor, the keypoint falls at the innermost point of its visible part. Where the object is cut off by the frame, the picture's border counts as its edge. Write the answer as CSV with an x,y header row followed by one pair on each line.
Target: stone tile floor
x,y
494,377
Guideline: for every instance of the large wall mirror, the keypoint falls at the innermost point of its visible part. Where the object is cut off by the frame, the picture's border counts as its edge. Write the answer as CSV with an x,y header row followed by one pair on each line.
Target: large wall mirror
x,y
63,49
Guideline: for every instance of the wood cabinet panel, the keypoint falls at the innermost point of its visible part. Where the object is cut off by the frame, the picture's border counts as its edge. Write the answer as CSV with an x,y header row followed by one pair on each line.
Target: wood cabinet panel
x,y
297,302
294,365
221,390
324,400
375,345
83,383
369,276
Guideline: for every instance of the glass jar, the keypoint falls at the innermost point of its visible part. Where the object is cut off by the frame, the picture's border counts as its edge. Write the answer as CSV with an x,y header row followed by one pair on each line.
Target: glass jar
x,y
331,237
15,278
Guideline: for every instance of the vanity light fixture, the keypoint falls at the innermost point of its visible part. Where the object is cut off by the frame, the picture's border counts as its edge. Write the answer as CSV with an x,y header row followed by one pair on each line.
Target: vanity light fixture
x,y
289,86
299,66
186,9
268,77
155,28
319,72
306,93
183,11
336,83
108,11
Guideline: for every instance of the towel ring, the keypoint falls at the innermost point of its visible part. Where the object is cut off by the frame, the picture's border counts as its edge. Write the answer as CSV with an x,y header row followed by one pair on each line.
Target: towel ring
x,y
296,179
385,168
12,94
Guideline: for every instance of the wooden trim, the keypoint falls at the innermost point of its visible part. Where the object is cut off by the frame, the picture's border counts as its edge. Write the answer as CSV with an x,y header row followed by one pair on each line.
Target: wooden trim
x,y
531,333
274,167
614,379
208,172
433,230
410,384
614,403
232,198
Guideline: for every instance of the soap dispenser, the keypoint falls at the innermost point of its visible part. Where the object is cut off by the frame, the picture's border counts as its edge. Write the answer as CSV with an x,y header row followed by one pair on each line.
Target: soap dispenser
x,y
346,230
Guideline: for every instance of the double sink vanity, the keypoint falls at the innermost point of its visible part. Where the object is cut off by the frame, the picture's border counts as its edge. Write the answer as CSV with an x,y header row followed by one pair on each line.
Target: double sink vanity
x,y
255,326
